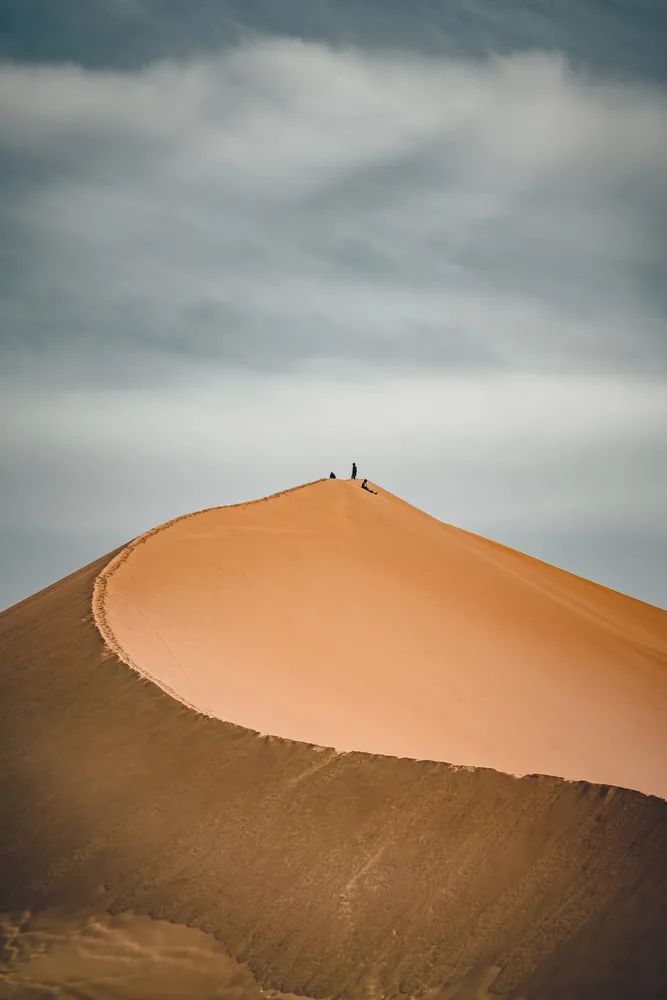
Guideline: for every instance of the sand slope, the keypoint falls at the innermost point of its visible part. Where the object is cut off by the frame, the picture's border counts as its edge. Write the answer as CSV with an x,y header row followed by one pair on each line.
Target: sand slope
x,y
330,875
353,621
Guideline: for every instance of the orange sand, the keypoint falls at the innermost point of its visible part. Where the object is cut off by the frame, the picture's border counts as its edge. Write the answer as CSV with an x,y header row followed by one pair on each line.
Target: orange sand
x,y
334,617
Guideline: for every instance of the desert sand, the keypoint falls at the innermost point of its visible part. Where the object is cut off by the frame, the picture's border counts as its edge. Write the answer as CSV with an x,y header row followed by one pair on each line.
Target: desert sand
x,y
127,817
329,615
97,956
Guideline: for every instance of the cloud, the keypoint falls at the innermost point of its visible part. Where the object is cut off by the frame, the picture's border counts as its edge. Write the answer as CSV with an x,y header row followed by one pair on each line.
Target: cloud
x,y
623,38
284,203
226,274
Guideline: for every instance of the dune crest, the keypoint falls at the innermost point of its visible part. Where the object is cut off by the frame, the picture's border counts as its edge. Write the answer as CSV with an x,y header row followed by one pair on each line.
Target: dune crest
x,y
330,616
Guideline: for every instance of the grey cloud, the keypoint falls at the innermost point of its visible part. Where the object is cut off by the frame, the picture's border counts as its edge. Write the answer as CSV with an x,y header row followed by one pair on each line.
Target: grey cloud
x,y
284,202
621,38
225,275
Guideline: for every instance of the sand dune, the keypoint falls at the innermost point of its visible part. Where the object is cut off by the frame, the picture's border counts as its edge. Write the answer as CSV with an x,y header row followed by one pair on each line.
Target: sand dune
x,y
353,621
330,875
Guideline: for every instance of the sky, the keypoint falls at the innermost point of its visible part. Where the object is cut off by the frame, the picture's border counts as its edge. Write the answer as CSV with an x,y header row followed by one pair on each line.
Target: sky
x,y
245,242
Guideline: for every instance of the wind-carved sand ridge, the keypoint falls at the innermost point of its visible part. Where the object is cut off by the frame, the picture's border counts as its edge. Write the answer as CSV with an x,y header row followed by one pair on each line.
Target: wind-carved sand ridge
x,y
355,875
330,616
99,604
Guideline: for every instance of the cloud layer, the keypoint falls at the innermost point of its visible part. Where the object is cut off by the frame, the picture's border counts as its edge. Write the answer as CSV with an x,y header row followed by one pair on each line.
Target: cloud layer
x,y
285,255
287,202
622,39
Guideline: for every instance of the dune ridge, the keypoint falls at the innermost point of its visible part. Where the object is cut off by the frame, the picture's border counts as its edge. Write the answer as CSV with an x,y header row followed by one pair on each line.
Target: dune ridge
x,y
100,585
405,638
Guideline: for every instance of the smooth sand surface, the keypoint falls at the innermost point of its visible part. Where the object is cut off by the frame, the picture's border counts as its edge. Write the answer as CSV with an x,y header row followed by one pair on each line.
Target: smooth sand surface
x,y
328,615
329,875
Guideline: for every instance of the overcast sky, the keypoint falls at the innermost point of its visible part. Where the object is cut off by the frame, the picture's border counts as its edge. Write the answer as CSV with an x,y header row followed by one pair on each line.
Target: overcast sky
x,y
247,241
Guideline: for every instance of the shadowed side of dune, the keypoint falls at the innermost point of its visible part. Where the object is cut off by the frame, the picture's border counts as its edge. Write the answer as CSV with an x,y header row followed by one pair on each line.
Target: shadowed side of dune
x,y
330,874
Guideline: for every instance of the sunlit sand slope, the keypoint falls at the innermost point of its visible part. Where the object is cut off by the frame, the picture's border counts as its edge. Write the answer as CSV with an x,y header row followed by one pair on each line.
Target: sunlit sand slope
x,y
330,615
331,875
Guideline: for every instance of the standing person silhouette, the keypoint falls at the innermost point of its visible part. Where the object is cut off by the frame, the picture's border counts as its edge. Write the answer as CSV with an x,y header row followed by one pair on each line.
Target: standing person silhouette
x,y
354,470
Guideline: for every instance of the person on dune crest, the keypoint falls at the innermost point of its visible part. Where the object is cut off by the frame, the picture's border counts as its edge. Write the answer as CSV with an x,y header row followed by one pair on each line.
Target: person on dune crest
x,y
366,487
354,470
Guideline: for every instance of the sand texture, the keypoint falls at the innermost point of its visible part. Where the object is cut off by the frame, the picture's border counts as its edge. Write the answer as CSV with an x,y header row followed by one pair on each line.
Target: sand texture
x,y
96,956
328,874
